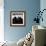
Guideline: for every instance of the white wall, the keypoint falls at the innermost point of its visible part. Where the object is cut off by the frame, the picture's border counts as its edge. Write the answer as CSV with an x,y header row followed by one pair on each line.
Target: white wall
x,y
1,20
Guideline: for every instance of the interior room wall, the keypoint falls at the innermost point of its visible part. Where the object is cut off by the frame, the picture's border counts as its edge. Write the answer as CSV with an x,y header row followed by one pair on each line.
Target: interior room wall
x,y
30,6
43,6
1,20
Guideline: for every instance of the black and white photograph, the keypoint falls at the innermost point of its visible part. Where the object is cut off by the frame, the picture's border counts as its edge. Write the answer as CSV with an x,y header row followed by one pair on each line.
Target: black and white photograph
x,y
17,18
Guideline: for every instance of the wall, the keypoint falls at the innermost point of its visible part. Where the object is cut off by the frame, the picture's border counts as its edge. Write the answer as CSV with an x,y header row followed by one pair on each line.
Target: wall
x,y
43,6
1,21
30,6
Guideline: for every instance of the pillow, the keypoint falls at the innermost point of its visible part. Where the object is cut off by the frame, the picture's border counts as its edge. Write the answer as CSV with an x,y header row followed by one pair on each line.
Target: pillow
x,y
28,40
20,42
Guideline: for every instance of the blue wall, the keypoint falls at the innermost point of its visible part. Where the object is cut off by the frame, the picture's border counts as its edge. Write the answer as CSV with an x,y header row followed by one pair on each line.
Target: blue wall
x,y
30,6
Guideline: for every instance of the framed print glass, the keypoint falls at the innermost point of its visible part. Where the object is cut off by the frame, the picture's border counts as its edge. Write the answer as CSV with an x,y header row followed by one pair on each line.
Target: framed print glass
x,y
17,18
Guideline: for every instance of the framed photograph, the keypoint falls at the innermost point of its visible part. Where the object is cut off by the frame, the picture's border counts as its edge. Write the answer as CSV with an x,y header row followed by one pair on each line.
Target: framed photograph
x,y
17,18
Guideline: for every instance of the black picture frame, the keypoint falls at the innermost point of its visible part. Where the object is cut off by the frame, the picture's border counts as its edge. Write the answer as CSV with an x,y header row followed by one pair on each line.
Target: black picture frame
x,y
18,18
